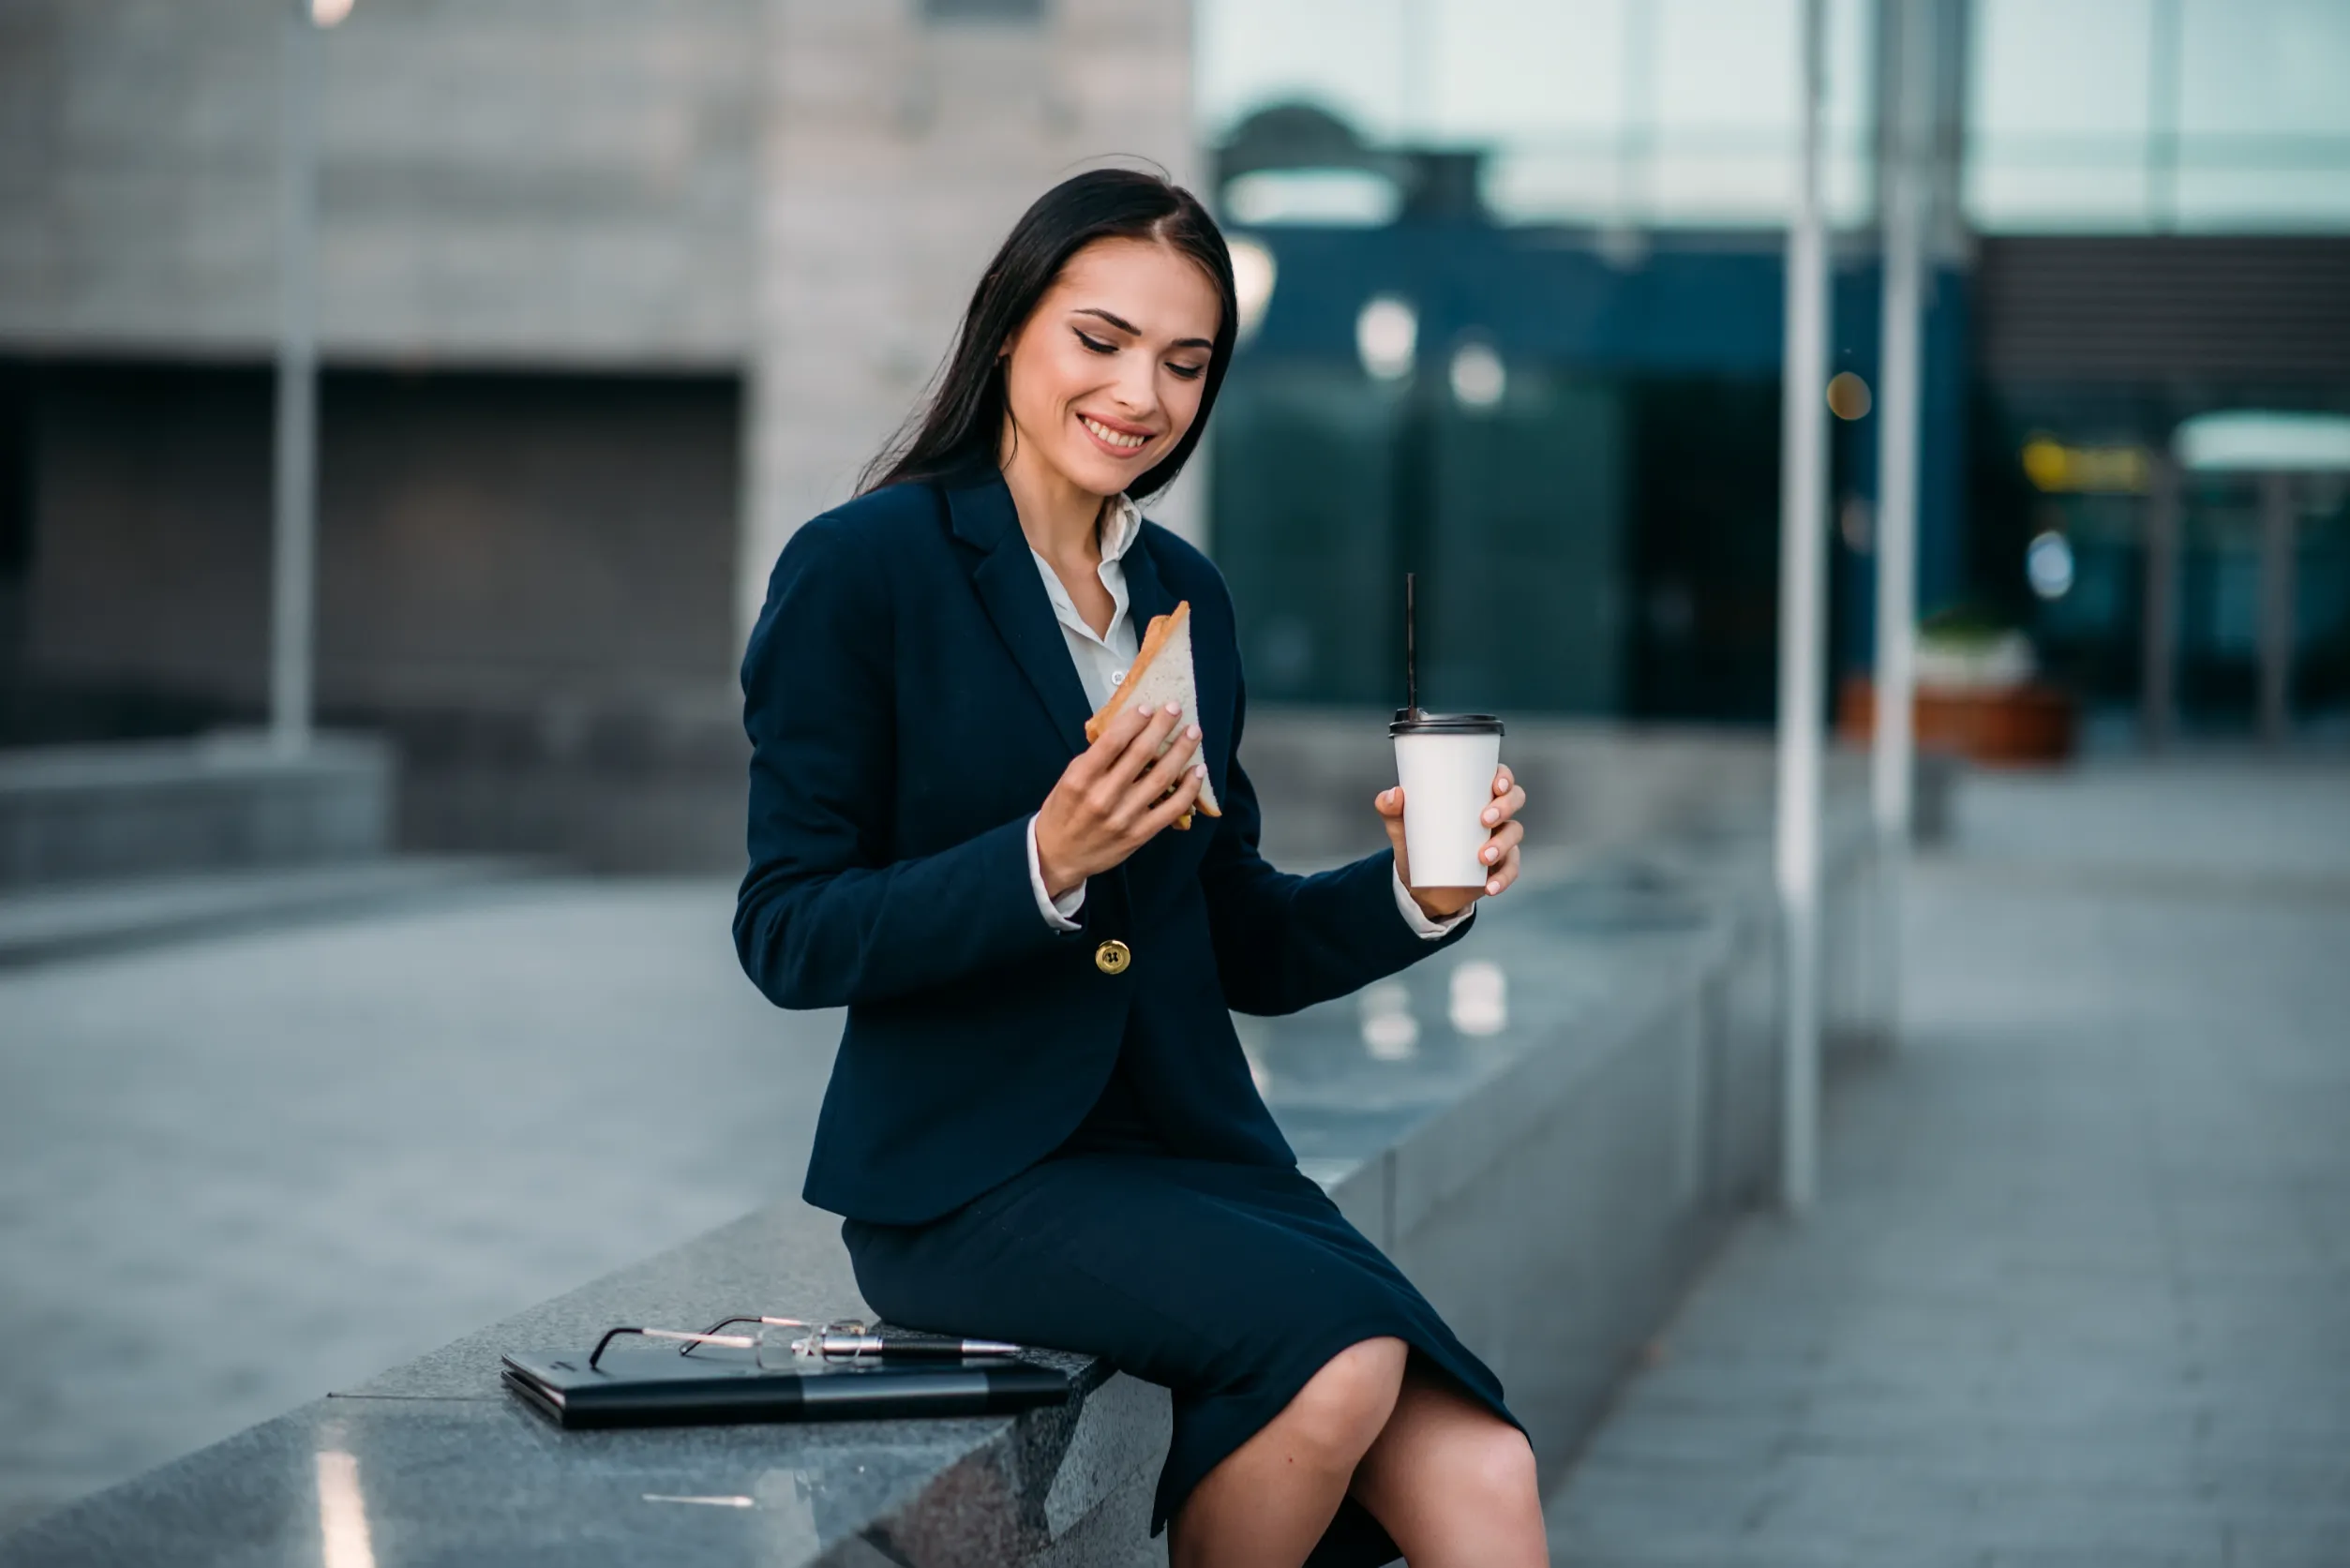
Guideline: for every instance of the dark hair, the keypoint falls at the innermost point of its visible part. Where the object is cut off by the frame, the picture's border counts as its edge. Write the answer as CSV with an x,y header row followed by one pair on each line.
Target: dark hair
x,y
959,425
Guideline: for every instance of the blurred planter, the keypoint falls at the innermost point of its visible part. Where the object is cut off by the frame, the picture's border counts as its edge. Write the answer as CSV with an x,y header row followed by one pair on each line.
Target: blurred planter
x,y
2025,724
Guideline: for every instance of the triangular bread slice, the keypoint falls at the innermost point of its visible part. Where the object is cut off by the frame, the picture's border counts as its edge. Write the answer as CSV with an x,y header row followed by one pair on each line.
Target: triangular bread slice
x,y
1161,673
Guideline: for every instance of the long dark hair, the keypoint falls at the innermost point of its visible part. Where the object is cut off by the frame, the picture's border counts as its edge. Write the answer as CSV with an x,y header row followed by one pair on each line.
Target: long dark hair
x,y
958,427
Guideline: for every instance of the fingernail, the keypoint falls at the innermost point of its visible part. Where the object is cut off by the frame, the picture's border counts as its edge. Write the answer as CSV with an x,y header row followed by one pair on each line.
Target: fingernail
x,y
1191,733
1489,856
1174,707
1493,887
1199,770
1490,813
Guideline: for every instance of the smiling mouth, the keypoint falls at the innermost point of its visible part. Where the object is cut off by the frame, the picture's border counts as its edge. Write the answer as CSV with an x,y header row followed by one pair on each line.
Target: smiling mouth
x,y
1117,440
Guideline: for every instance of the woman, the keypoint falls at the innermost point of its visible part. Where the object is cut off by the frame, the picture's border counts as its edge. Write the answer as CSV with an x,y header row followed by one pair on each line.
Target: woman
x,y
1040,1126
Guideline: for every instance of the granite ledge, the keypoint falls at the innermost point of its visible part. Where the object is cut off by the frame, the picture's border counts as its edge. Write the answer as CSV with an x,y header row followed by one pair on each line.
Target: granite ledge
x,y
436,1463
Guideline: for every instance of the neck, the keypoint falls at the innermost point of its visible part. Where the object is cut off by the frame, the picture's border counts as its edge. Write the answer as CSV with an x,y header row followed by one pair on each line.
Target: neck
x,y
1060,518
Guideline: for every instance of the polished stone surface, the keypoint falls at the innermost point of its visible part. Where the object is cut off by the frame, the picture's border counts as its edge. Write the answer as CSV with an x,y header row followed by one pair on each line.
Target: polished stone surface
x,y
359,1481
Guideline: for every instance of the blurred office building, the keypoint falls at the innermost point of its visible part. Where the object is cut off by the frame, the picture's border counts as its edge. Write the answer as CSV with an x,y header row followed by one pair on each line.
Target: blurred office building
x,y
610,297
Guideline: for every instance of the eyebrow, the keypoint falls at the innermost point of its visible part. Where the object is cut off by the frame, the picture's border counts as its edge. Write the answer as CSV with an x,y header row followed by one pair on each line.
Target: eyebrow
x,y
1132,331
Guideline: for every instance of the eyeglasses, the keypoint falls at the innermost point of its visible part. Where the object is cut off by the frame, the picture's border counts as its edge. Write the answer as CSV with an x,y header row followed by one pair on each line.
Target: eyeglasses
x,y
847,1339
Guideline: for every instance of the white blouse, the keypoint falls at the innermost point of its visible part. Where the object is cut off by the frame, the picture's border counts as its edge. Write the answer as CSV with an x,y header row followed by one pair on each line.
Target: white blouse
x,y
1102,663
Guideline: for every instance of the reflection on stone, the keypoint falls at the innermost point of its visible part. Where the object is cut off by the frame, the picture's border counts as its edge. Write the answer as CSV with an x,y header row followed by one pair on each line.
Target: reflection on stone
x,y
1479,1000
1390,1033
342,1512
788,1521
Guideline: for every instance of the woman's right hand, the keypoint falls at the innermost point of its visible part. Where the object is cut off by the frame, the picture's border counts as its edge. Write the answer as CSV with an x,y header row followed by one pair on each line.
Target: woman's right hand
x,y
1108,803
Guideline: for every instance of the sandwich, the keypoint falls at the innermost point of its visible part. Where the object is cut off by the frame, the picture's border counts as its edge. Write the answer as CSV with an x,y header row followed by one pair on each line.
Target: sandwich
x,y
1161,673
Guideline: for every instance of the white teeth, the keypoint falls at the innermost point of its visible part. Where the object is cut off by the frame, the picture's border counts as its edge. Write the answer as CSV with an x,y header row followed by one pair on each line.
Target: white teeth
x,y
1114,436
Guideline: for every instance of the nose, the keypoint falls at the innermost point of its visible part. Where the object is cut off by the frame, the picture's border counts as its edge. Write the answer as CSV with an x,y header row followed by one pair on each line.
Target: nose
x,y
1136,388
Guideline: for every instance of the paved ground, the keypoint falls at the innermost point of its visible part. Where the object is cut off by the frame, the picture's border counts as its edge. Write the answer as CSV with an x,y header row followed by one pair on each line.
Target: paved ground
x,y
2078,1290
238,1173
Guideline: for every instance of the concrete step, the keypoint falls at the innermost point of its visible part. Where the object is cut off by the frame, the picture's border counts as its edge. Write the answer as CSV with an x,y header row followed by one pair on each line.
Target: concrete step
x,y
42,923
223,801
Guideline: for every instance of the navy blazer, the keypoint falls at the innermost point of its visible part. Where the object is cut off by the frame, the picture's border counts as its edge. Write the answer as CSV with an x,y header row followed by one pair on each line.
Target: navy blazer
x,y
910,704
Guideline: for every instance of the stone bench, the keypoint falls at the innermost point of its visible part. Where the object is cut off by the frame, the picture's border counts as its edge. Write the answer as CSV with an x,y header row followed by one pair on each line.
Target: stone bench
x,y
1548,1128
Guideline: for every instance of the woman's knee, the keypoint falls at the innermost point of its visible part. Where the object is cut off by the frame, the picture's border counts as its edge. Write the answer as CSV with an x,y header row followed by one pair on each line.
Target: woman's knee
x,y
1488,1465
1340,1410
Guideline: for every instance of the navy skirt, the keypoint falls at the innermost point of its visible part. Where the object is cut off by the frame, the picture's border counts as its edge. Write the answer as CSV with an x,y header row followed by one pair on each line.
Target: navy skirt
x,y
1230,1285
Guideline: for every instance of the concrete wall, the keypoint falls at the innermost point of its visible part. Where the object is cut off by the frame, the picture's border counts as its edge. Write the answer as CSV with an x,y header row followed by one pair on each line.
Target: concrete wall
x,y
518,181
896,155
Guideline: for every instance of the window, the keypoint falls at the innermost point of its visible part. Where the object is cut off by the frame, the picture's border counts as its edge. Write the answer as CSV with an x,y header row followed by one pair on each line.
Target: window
x,y
982,10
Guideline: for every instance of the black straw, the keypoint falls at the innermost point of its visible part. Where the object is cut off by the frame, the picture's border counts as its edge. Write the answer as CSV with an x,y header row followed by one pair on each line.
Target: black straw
x,y
1411,656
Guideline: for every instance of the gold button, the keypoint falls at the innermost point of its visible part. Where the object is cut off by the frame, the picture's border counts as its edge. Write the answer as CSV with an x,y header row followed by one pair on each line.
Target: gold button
x,y
1112,957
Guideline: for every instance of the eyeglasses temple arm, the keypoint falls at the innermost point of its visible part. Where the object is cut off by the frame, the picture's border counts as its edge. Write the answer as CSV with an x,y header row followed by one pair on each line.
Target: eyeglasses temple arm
x,y
740,1342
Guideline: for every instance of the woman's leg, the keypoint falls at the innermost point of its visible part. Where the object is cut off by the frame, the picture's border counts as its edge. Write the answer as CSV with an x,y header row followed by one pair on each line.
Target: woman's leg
x,y
1267,1501
1453,1483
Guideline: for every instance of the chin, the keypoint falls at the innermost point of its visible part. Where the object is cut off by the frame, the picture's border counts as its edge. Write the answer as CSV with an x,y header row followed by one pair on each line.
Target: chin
x,y
1099,476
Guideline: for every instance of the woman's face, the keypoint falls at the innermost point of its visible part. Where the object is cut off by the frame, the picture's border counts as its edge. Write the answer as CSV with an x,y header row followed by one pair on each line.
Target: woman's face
x,y
1105,378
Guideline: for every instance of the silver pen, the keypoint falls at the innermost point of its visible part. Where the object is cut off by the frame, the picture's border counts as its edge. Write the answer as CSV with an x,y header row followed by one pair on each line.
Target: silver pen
x,y
848,1339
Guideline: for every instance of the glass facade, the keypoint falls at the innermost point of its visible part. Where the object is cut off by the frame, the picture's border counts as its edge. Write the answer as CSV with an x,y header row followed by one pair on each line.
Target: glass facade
x,y
2081,116
1514,324
1629,113
2148,116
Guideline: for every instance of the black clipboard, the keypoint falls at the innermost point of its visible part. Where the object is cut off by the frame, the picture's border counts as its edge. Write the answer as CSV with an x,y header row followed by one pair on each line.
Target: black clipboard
x,y
662,1388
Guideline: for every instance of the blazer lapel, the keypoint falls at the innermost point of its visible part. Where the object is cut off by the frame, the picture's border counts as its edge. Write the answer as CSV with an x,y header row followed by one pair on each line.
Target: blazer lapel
x,y
1145,595
1006,578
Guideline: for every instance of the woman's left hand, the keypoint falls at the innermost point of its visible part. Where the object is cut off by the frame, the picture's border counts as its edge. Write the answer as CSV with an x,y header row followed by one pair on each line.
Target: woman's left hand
x,y
1500,852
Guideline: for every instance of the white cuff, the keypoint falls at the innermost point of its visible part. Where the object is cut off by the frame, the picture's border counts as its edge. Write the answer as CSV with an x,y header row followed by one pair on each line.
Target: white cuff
x,y
1056,911
1413,914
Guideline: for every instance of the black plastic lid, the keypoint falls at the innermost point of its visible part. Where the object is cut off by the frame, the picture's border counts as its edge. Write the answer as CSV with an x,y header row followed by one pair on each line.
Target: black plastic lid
x,y
1407,721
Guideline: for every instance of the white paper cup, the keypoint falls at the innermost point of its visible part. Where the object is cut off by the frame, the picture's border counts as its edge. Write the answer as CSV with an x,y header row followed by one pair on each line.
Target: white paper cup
x,y
1445,763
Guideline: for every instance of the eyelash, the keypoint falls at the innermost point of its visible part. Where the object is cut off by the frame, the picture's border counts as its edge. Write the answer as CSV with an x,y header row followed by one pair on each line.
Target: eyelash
x,y
1184,372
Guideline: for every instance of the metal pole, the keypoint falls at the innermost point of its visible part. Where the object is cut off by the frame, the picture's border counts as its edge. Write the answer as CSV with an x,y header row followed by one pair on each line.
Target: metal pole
x,y
2276,608
1893,756
293,524
2158,628
1802,572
